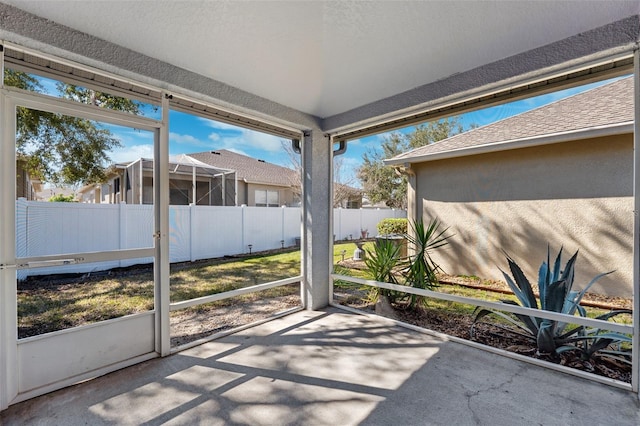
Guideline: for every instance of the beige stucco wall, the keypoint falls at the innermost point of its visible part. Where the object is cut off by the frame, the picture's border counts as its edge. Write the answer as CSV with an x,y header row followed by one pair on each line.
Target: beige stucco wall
x,y
577,195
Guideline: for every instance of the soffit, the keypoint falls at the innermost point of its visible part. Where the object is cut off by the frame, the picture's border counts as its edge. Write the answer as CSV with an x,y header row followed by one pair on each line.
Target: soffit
x,y
323,57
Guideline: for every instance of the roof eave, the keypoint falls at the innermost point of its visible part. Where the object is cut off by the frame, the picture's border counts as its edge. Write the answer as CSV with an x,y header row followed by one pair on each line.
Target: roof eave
x,y
255,182
589,133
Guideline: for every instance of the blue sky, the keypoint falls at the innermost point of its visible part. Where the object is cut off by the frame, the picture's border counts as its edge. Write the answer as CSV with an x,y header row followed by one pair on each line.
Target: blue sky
x,y
189,134
356,148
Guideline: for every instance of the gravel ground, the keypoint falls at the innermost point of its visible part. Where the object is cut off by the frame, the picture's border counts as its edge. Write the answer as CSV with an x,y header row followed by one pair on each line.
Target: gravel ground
x,y
188,326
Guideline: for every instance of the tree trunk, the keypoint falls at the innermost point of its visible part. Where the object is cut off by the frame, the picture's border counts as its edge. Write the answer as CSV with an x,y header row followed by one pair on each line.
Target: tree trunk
x,y
383,308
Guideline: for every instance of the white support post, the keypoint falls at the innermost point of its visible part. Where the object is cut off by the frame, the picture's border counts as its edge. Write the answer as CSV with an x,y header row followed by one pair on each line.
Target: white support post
x,y
2,66
331,214
635,356
161,213
8,289
316,224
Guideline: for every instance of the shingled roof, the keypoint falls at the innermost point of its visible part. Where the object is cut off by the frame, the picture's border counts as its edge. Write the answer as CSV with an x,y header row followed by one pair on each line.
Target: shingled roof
x,y
594,112
249,169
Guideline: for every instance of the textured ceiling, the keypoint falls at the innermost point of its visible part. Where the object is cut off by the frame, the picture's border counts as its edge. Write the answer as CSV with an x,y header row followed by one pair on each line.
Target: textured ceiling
x,y
325,58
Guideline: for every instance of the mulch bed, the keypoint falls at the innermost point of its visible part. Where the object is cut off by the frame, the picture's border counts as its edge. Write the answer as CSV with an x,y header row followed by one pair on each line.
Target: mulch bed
x,y
459,325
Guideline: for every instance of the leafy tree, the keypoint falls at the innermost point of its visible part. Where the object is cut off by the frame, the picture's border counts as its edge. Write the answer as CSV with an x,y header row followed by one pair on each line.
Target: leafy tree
x,y
434,131
383,183
61,198
64,149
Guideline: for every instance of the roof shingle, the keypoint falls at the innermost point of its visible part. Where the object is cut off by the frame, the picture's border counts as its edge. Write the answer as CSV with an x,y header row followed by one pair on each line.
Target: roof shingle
x,y
248,168
603,106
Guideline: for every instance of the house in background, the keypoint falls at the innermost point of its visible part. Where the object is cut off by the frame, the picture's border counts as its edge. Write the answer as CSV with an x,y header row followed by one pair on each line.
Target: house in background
x,y
132,183
210,174
560,175
217,178
26,186
347,197
260,183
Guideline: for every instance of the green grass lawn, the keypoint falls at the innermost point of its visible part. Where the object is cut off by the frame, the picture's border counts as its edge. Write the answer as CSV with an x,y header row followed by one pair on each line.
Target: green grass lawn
x,y
47,305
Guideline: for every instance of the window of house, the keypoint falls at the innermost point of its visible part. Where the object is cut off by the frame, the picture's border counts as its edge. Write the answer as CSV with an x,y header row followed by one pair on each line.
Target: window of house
x,y
266,198
178,197
116,185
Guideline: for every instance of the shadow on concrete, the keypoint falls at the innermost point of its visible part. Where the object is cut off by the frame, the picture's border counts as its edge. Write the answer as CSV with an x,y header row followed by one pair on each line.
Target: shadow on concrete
x,y
331,367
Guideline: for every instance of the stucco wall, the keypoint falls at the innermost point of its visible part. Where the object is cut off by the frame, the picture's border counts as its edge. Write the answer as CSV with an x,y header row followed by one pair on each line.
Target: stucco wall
x,y
577,195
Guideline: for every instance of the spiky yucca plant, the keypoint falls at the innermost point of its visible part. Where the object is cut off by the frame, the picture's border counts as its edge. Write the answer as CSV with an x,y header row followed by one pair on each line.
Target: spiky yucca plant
x,y
382,262
421,271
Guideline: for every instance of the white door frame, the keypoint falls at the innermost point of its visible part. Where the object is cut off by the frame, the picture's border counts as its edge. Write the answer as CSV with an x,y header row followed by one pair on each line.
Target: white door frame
x,y
12,386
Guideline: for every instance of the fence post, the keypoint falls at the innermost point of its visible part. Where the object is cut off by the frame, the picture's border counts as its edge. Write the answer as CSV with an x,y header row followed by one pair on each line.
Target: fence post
x,y
243,230
122,240
282,225
21,227
192,217
22,231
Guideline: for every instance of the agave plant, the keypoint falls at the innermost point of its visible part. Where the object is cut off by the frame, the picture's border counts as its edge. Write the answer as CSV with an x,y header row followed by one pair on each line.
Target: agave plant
x,y
592,341
556,295
421,271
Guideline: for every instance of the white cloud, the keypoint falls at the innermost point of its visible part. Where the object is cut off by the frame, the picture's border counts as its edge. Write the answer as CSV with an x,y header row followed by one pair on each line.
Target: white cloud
x,y
131,153
247,139
376,139
178,138
263,140
186,140
218,124
132,136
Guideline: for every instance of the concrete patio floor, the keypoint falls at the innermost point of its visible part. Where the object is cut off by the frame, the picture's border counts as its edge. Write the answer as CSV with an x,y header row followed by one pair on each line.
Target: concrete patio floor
x,y
336,368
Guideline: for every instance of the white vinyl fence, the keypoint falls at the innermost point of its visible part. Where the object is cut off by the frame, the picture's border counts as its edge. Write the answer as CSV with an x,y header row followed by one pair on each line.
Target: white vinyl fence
x,y
196,232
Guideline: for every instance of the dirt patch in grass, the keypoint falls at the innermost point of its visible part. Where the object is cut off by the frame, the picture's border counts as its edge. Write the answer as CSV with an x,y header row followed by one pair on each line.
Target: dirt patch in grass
x,y
57,302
